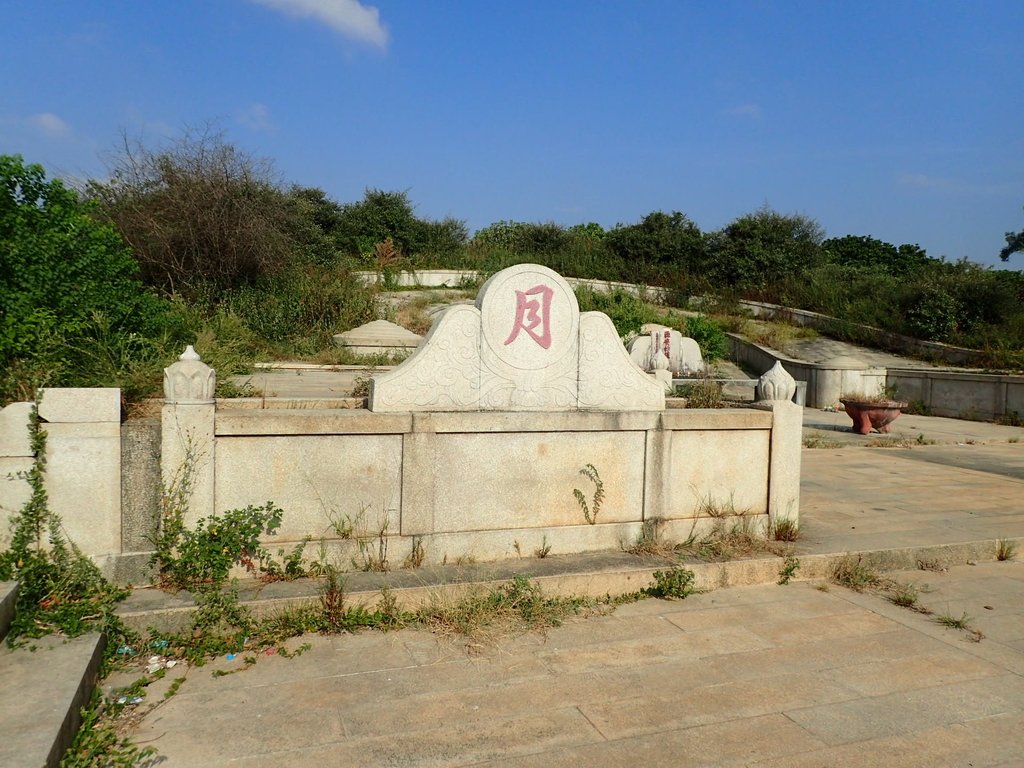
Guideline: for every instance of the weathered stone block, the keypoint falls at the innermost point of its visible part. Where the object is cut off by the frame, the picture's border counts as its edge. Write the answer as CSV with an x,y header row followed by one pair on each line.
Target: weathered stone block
x,y
69,405
467,482
14,437
140,484
83,481
728,469
315,479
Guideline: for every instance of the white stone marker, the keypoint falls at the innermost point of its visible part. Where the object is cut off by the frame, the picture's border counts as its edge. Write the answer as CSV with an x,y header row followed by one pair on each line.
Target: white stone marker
x,y
655,340
523,347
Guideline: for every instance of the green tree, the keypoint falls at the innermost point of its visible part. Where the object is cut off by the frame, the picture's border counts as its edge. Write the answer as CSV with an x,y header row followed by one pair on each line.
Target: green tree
x,y
660,243
864,252
381,215
763,248
63,276
1014,244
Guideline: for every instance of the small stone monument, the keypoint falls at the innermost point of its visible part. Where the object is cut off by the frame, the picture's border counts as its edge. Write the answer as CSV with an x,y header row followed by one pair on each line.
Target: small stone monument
x,y
524,346
654,341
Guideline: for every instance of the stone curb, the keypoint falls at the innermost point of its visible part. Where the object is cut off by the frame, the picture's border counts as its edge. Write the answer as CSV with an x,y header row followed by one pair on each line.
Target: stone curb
x,y
172,613
8,598
44,689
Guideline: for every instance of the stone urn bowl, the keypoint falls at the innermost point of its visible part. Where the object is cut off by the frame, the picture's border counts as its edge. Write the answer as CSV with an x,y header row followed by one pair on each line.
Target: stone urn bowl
x,y
872,414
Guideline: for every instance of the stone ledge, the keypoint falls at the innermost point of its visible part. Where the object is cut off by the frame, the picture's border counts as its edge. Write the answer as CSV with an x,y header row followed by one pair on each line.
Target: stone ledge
x,y
310,422
590,575
248,421
83,404
42,692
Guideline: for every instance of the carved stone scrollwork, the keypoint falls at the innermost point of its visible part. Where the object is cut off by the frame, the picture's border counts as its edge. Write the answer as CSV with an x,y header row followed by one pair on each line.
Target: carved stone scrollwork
x,y
775,384
189,381
523,347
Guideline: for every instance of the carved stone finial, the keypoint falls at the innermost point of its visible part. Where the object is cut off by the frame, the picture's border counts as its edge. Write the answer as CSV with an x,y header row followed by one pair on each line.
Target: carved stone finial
x,y
775,384
189,381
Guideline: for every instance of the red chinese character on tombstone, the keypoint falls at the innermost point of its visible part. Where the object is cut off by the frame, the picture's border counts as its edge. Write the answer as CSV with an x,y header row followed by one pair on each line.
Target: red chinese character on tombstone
x,y
531,313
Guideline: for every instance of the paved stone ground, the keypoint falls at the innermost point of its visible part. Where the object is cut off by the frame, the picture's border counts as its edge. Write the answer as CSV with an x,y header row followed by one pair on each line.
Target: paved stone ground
x,y
754,676
820,348
761,676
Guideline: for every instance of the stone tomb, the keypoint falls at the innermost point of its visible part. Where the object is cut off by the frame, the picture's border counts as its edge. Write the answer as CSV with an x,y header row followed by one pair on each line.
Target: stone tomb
x,y
524,346
659,347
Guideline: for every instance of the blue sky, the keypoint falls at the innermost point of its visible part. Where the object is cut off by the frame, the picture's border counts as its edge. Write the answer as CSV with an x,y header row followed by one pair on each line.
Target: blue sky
x,y
900,120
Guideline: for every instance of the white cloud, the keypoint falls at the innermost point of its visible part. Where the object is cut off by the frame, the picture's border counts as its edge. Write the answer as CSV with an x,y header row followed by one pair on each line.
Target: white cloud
x,y
51,125
349,17
257,117
746,110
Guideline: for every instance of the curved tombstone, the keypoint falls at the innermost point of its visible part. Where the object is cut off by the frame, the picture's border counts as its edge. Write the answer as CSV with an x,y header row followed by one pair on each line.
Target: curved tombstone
x,y
523,347
655,341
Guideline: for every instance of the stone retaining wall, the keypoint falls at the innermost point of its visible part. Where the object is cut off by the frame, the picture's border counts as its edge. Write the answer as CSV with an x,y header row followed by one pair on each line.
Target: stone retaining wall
x,y
461,486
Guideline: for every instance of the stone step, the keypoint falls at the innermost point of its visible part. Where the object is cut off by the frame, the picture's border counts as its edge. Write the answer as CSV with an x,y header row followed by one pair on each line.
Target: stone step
x,y
8,594
43,686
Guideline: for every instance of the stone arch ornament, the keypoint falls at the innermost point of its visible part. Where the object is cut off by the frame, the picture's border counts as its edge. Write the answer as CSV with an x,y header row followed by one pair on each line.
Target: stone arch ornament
x,y
523,346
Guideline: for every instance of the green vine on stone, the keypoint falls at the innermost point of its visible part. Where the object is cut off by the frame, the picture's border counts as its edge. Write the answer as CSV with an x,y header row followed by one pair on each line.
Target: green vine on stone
x,y
61,591
590,512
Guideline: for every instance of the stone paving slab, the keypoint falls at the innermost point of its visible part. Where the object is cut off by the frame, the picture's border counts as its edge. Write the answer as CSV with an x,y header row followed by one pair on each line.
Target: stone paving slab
x,y
821,348
8,597
856,500
763,675
43,686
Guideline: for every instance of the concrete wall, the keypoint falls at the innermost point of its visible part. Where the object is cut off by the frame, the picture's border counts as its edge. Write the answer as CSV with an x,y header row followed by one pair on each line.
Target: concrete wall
x,y
460,485
453,278
479,484
825,382
961,395
957,394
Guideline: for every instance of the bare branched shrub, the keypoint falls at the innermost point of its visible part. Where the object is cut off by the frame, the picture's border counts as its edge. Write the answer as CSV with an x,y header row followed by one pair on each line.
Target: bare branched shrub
x,y
198,212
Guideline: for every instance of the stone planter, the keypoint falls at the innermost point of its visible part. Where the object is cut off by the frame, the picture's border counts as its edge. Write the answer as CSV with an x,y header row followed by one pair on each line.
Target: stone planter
x,y
868,415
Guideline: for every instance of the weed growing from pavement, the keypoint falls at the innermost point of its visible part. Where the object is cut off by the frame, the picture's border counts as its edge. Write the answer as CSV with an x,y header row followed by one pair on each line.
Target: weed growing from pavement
x,y
854,573
373,549
1005,549
950,621
543,550
416,555
904,595
674,584
784,529
651,540
898,442
820,441
789,568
